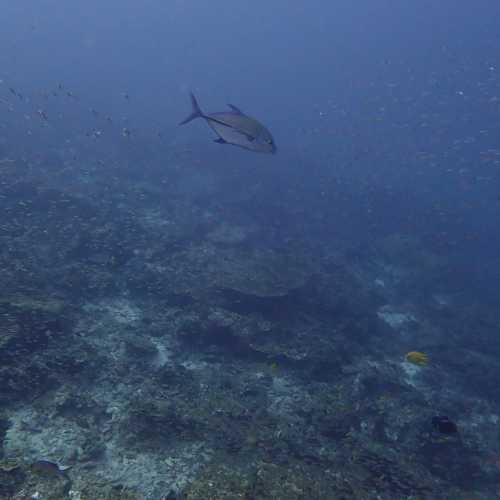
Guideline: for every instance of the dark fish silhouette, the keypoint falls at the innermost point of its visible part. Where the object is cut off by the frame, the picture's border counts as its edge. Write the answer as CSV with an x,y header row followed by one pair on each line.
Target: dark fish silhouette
x,y
444,425
50,469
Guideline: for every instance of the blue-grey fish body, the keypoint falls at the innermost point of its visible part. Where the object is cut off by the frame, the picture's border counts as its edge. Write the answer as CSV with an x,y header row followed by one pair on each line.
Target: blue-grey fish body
x,y
236,128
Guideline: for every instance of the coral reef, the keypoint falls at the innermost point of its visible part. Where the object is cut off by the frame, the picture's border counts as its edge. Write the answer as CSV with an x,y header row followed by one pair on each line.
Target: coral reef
x,y
162,348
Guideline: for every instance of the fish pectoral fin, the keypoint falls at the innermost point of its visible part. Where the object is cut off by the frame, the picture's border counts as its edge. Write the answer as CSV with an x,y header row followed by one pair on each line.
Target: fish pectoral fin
x,y
235,109
220,140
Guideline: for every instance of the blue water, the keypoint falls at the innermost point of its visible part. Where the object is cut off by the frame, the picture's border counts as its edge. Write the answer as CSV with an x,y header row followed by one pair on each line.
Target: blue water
x,y
372,232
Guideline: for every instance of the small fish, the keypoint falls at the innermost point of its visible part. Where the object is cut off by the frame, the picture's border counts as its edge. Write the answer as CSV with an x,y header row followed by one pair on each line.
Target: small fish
x,y
417,358
50,469
94,133
17,94
444,425
42,114
236,128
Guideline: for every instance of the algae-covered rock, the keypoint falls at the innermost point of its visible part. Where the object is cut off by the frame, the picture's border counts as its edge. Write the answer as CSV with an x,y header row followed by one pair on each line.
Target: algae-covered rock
x,y
202,269
260,273
9,328
88,486
226,234
26,303
262,481
12,477
9,464
26,330
140,347
157,415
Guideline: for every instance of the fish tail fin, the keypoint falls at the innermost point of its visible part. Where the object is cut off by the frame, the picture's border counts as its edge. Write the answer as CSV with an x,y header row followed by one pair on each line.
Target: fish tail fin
x,y
196,113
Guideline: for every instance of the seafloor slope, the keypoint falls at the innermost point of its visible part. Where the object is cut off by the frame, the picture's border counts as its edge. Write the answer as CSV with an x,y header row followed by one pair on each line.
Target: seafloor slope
x,y
167,345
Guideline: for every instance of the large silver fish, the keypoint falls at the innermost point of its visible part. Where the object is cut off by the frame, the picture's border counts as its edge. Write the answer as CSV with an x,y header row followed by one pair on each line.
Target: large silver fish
x,y
236,128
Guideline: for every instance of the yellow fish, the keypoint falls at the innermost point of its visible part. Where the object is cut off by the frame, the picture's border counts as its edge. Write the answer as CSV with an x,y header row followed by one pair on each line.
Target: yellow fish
x,y
417,358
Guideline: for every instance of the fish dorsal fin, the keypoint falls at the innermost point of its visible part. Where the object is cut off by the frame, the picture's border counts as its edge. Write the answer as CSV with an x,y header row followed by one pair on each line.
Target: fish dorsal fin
x,y
235,109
